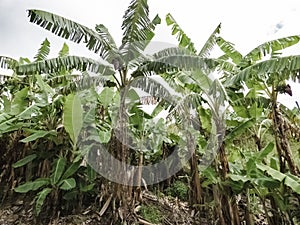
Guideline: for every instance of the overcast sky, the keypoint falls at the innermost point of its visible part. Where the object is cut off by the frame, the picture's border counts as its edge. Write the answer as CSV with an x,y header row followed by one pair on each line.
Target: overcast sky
x,y
245,23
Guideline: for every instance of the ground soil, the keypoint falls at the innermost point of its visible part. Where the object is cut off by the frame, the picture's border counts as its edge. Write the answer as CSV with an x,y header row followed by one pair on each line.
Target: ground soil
x,y
20,212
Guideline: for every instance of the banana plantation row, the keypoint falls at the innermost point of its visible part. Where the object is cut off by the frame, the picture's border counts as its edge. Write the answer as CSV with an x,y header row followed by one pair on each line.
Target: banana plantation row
x,y
226,146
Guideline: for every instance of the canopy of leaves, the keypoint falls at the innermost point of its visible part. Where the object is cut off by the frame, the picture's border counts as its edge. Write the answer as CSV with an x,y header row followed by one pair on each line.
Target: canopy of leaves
x,y
73,31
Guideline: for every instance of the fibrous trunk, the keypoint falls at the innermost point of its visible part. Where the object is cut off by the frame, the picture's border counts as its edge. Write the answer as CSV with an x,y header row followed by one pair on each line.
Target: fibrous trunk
x,y
282,143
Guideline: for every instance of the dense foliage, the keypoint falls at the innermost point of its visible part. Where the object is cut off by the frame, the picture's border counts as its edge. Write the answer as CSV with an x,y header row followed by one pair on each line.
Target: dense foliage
x,y
244,163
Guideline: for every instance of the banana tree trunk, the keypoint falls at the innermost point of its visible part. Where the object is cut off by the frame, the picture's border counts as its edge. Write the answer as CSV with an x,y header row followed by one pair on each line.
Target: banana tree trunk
x,y
282,143
229,210
196,192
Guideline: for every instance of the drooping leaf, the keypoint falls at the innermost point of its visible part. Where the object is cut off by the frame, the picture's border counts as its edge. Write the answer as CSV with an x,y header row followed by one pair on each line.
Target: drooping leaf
x,y
32,185
178,59
24,161
65,63
289,180
270,47
58,169
154,87
7,62
189,62
285,67
182,59
40,198
71,30
277,175
67,184
73,117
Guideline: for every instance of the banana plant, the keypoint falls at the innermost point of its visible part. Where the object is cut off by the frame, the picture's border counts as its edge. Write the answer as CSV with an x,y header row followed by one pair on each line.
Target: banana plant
x,y
34,109
24,99
253,86
192,72
264,68
60,179
138,31
257,175
115,69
